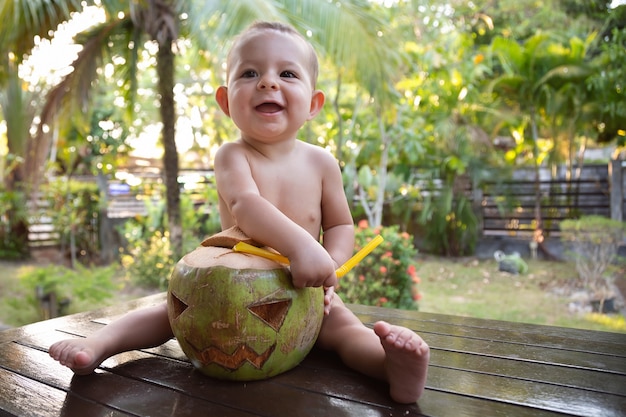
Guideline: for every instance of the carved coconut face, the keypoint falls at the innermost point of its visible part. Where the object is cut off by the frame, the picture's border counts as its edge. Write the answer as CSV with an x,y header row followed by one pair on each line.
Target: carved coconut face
x,y
238,316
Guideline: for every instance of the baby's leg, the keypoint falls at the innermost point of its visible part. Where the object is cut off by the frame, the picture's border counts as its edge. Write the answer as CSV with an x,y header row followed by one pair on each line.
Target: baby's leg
x,y
136,330
392,353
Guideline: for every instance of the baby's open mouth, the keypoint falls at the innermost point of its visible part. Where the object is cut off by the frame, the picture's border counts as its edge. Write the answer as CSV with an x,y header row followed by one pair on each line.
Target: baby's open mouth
x,y
269,107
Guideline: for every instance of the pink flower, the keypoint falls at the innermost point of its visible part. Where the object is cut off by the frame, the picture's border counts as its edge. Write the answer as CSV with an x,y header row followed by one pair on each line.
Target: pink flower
x,y
383,269
361,278
416,295
411,270
363,224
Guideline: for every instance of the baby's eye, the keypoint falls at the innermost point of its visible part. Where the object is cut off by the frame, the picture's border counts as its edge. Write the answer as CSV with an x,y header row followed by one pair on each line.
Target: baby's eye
x,y
288,74
249,74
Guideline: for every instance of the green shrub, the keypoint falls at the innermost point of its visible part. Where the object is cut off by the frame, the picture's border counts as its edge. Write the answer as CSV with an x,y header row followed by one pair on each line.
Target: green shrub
x,y
74,289
73,209
592,242
147,258
450,224
387,276
200,221
148,261
13,216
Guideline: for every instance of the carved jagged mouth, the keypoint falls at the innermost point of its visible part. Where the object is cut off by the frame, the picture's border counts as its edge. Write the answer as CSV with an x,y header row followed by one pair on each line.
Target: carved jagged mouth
x,y
234,361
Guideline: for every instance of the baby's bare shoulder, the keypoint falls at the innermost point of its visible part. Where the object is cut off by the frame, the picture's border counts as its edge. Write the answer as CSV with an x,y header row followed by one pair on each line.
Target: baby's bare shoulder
x,y
229,148
317,154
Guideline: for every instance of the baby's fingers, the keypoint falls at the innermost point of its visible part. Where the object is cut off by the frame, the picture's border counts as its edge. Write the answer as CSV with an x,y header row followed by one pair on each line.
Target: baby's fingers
x,y
329,294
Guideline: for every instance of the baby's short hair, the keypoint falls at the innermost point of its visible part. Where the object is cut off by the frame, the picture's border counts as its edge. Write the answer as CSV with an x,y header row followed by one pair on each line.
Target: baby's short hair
x,y
261,26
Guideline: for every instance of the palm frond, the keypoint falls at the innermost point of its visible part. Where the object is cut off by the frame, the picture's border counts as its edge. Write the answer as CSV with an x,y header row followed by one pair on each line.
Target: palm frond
x,y
352,37
25,19
72,95
348,35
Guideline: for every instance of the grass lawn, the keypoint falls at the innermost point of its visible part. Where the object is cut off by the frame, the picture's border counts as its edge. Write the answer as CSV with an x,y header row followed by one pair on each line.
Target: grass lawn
x,y
467,287
17,305
476,288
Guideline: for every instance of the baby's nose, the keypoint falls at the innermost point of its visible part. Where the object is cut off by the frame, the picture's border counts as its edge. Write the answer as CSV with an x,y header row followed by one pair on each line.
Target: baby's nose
x,y
268,81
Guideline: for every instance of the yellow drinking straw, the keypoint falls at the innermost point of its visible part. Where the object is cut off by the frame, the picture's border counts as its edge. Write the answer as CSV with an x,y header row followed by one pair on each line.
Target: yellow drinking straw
x,y
341,271
264,253
365,250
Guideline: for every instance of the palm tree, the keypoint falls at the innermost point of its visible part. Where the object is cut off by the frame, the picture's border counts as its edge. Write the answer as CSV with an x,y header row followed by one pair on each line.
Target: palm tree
x,y
348,35
531,84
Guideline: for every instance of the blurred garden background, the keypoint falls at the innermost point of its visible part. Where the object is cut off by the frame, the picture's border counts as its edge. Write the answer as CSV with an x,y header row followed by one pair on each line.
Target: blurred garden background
x,y
485,141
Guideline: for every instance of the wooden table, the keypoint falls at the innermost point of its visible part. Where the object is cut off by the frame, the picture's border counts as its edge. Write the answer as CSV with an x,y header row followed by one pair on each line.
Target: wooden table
x,y
478,368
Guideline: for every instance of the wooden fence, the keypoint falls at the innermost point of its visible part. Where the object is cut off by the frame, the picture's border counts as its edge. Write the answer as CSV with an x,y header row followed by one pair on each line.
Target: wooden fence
x,y
123,202
507,208
504,208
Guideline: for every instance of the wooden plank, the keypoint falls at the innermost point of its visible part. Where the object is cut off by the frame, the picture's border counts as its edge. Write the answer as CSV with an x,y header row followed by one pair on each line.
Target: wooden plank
x,y
438,403
529,353
549,397
529,335
531,371
21,396
111,390
263,397
325,374
526,217
370,314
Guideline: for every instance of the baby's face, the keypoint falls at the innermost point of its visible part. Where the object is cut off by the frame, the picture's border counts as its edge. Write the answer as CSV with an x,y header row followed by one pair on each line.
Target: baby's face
x,y
270,89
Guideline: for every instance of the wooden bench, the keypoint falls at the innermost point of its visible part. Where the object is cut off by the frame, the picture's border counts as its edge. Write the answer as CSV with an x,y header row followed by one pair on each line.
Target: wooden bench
x,y
478,368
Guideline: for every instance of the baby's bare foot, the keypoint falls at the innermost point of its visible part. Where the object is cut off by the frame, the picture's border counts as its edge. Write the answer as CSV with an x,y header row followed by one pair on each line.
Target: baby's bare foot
x,y
80,355
406,361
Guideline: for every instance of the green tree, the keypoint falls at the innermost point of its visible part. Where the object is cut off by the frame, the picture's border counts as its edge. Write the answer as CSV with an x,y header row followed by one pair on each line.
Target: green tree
x,y
606,85
533,80
435,147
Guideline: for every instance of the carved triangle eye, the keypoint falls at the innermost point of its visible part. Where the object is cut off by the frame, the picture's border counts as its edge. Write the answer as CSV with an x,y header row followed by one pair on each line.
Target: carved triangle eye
x,y
273,312
179,305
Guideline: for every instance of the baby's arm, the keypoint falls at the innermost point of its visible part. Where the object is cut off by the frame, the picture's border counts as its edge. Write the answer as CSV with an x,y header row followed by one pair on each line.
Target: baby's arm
x,y
337,225
311,265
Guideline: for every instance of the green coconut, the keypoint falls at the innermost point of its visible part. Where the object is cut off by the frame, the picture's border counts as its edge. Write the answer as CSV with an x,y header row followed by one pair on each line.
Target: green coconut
x,y
238,316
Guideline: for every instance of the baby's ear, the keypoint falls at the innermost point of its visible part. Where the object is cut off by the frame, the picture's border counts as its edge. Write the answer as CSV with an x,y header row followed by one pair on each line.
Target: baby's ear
x,y
317,102
221,96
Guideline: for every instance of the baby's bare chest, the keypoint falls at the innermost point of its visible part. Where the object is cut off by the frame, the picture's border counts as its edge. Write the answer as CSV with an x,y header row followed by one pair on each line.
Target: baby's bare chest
x,y
296,190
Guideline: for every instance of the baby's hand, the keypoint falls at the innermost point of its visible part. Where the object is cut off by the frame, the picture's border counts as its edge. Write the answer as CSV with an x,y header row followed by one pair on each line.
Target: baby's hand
x,y
312,266
329,294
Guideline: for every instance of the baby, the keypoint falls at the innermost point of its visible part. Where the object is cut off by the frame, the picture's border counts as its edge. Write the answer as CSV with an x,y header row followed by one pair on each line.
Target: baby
x,y
285,194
